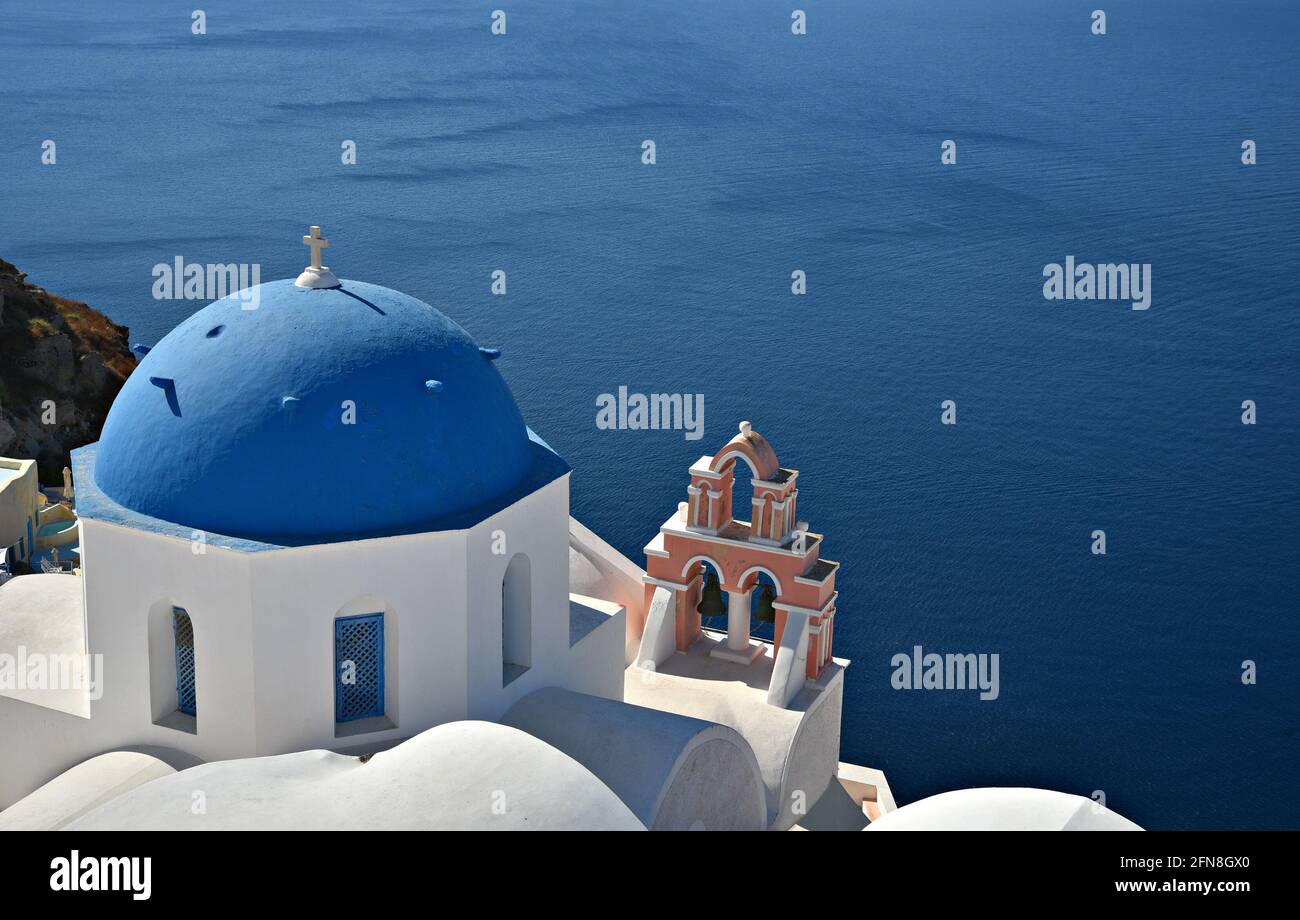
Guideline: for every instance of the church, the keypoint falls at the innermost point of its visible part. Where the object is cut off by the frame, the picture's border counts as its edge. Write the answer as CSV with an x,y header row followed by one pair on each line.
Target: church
x,y
328,578
322,524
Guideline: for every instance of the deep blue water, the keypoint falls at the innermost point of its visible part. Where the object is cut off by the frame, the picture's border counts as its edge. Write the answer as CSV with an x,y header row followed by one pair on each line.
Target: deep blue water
x,y
1118,673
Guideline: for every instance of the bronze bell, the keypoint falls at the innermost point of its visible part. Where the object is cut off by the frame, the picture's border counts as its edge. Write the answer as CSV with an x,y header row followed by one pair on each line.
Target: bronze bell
x,y
766,613
711,604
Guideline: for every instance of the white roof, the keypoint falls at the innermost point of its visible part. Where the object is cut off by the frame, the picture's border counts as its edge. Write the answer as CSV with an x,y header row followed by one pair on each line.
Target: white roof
x,y
85,787
997,809
673,771
456,776
46,614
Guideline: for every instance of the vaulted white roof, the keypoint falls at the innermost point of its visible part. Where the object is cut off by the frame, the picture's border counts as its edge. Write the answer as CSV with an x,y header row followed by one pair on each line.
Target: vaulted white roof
x,y
456,776
997,809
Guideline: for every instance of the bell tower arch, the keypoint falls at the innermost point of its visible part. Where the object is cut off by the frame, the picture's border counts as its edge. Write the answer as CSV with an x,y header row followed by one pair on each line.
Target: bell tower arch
x,y
707,535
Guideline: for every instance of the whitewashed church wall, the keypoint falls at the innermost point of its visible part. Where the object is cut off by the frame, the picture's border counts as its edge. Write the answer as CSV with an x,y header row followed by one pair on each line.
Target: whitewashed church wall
x,y
538,526
417,581
127,574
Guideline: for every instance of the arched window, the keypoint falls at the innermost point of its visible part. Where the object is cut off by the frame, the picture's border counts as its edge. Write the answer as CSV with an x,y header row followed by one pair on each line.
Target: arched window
x,y
183,633
173,667
516,618
366,660
358,667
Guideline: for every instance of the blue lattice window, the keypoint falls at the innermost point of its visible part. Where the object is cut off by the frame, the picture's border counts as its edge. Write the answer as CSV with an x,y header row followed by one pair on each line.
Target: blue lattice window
x,y
358,667
183,630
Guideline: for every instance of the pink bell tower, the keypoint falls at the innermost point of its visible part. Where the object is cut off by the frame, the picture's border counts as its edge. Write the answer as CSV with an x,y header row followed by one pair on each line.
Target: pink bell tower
x,y
773,541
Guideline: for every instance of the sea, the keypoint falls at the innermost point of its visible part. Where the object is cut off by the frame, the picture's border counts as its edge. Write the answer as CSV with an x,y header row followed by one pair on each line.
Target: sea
x,y
1162,677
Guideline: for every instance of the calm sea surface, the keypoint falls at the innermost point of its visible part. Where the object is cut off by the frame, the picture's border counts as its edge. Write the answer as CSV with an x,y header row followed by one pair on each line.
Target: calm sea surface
x,y
1118,673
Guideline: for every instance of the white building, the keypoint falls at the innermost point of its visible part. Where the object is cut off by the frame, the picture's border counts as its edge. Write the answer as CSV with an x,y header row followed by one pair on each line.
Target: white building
x,y
19,502
321,523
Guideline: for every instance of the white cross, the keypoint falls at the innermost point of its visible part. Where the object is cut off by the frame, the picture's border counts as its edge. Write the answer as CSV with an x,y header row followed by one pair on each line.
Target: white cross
x,y
317,243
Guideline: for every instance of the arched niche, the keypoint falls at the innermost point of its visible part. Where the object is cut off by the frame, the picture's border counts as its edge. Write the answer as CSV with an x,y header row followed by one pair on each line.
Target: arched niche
x,y
516,618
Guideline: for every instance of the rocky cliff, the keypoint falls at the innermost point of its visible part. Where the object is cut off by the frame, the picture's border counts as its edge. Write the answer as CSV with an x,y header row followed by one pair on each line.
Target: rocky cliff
x,y
61,365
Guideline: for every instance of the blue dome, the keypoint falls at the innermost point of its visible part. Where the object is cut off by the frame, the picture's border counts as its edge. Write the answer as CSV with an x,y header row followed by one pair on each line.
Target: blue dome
x,y
238,421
